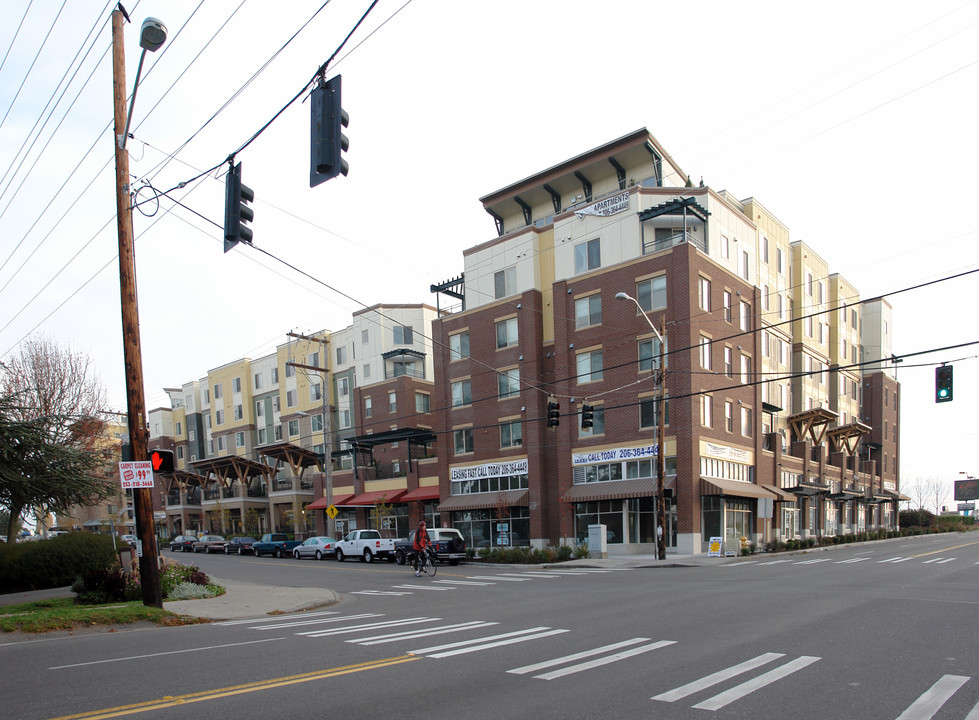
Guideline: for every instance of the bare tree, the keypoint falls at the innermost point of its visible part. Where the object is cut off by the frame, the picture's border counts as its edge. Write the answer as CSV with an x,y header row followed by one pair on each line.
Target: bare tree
x,y
918,491
938,491
53,395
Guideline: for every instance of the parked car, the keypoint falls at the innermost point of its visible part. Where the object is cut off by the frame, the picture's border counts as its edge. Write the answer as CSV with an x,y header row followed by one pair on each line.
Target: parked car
x,y
130,539
275,544
366,545
239,546
183,543
448,544
315,547
209,544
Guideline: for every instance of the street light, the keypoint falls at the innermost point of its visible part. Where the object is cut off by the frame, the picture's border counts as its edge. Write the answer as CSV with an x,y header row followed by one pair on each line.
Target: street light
x,y
660,430
153,35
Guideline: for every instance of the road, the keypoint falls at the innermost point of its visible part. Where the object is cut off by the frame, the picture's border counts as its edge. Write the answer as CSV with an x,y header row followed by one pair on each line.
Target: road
x,y
878,630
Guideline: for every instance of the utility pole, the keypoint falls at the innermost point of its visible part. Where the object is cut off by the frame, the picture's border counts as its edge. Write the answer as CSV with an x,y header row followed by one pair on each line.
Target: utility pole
x,y
149,569
660,450
327,458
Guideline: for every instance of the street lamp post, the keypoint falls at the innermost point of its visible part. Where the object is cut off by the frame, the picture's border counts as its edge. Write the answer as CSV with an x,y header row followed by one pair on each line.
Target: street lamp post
x,y
660,430
152,36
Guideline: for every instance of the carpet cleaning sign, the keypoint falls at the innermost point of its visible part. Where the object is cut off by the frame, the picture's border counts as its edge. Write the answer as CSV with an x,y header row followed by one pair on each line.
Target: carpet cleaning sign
x,y
137,474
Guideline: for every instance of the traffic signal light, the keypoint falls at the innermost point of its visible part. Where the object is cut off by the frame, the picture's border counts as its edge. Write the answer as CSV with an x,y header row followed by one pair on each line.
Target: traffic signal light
x,y
587,416
943,383
327,143
553,414
236,212
162,461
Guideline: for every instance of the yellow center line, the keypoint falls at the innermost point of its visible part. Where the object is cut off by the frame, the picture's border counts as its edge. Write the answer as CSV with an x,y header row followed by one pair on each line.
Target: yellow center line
x,y
175,701
945,550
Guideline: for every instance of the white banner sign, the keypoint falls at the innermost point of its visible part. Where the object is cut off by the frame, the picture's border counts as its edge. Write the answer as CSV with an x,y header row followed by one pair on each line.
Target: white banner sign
x,y
614,455
474,472
723,451
609,206
137,474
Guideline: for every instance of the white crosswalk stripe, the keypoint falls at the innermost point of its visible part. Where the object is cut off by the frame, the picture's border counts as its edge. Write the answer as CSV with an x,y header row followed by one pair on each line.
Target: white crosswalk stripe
x,y
716,678
937,561
775,562
463,582
496,578
813,562
851,560
421,587
532,575
313,621
279,618
487,643
932,700
367,626
895,560
736,693
741,563
581,667
415,634
381,592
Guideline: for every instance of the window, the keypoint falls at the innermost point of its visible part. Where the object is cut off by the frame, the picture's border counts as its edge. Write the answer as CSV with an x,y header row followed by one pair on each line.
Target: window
x,y
219,417
745,369
463,440
588,311
598,423
778,261
180,452
781,308
589,366
462,393
651,293
364,336
704,294
809,284
648,418
403,335
240,439
706,411
313,359
745,265
508,383
290,370
239,412
236,385
192,435
341,355
459,346
729,416
278,433
725,247
258,381
367,370
649,352
746,421
315,393
705,352
765,299
179,433
343,386
392,401
293,428
343,418
291,398
764,249
217,391
727,305
506,333
745,316
423,402
275,375
505,282
511,434
221,445
587,256
275,404
316,423
368,407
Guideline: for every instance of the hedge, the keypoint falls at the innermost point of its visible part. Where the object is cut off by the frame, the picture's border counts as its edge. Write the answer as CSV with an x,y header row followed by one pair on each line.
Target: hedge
x,y
57,562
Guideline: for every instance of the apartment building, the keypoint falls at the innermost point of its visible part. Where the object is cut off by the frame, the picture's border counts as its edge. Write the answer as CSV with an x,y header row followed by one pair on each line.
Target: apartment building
x,y
762,422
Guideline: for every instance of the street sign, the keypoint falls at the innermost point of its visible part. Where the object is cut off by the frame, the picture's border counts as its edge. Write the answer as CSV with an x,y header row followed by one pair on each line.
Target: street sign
x,y
332,512
136,474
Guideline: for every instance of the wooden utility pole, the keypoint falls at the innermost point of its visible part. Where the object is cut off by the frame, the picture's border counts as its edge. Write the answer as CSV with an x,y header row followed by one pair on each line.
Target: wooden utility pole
x,y
149,570
660,449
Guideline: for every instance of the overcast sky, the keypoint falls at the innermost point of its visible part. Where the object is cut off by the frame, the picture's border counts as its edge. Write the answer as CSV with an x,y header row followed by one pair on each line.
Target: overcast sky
x,y
854,125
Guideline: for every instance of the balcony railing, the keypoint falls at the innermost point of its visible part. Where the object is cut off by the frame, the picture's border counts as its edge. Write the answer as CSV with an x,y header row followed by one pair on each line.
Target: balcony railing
x,y
289,485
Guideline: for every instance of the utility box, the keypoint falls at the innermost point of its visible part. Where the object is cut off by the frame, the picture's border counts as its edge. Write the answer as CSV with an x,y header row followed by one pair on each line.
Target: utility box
x,y
597,541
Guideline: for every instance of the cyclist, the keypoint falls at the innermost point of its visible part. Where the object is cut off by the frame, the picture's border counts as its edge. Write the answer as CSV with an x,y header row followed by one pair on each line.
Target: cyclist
x,y
421,543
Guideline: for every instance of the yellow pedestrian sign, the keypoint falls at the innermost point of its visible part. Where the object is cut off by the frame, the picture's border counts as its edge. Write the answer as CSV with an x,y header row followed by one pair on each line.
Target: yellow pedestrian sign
x,y
332,512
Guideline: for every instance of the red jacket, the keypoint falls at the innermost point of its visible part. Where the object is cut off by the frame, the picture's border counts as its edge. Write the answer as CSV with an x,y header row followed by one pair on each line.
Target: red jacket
x,y
421,541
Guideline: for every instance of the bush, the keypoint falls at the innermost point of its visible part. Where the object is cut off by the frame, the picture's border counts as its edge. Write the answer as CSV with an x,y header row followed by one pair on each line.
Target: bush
x,y
175,574
189,591
56,562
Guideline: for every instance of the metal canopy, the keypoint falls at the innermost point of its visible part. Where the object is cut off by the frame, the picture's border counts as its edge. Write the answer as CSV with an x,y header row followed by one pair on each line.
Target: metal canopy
x,y
401,352
676,206
297,458
233,467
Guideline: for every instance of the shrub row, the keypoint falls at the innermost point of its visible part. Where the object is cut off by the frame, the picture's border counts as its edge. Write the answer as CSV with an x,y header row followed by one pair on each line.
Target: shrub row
x,y
57,562
525,555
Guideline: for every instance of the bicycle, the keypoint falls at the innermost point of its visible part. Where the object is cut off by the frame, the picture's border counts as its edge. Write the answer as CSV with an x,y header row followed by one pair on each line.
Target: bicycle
x,y
424,562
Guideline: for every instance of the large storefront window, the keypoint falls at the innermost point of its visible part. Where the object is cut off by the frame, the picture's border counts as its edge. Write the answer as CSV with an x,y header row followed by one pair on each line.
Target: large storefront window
x,y
483,529
737,521
610,513
832,515
790,520
393,524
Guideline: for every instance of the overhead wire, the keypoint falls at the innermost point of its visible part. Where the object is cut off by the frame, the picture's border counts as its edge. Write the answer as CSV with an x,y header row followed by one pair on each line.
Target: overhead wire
x,y
13,40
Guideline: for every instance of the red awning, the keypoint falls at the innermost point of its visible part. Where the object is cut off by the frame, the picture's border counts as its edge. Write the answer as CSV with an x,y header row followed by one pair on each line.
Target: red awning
x,y
422,493
370,499
322,504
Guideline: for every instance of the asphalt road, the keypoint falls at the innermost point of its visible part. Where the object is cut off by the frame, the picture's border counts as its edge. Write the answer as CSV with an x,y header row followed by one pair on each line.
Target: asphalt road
x,y
882,630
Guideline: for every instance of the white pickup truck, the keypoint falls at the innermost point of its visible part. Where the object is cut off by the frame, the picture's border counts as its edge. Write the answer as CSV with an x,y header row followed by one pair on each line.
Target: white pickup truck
x,y
365,544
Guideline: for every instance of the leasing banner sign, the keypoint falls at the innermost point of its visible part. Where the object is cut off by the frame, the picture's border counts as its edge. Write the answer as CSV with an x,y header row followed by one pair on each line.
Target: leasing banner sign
x,y
489,470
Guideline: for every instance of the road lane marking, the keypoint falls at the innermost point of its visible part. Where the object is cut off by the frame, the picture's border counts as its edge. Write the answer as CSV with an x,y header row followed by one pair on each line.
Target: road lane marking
x,y
813,562
532,575
598,662
485,643
496,578
577,656
932,700
851,560
173,701
415,634
736,693
462,582
420,587
316,621
380,592
161,654
895,560
279,618
718,677
367,626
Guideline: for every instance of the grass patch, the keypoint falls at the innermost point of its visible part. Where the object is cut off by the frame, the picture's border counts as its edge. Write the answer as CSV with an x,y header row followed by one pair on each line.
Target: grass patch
x,y
65,614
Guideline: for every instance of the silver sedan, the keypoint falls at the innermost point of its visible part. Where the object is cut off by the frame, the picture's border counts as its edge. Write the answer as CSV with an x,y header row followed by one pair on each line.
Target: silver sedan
x,y
315,547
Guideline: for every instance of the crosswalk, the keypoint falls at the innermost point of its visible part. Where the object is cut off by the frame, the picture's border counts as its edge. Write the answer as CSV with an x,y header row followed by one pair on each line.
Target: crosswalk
x,y
470,581
438,639
849,561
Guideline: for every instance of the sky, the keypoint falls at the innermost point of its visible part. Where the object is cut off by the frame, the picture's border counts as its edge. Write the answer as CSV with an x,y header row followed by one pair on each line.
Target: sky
x,y
854,126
